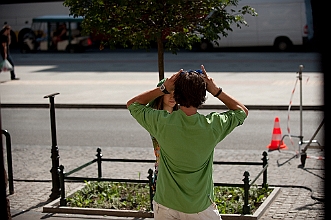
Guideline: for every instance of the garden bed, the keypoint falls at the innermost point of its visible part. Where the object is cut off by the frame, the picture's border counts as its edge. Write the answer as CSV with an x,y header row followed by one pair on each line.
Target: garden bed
x,y
132,200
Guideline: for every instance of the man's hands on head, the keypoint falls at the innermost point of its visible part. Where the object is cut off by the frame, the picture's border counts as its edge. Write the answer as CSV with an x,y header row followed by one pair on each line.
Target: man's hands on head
x,y
170,82
211,86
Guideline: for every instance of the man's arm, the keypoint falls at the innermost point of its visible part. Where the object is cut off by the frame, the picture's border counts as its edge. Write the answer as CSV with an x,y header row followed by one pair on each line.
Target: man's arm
x,y
231,102
63,32
146,97
4,46
228,100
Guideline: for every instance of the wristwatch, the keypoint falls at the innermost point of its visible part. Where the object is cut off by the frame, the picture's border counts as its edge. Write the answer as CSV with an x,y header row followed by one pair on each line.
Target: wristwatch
x,y
163,89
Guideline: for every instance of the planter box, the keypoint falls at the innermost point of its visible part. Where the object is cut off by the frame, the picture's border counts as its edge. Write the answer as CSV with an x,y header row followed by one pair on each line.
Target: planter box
x,y
54,207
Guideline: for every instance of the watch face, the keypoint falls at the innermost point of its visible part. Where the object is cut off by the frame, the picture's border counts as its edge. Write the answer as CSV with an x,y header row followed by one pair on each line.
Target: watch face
x,y
163,89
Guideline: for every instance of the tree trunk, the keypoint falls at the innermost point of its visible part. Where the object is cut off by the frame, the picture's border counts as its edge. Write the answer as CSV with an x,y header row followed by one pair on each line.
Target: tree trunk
x,y
160,57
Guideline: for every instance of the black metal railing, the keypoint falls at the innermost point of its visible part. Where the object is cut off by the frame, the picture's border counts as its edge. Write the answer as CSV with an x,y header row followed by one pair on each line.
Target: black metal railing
x,y
9,162
63,176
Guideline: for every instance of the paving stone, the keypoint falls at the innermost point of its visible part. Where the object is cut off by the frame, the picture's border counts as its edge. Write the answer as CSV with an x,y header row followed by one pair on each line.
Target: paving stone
x,y
33,185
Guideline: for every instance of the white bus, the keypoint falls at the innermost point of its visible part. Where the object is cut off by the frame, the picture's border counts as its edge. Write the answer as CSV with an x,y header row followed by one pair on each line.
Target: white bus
x,y
19,15
280,23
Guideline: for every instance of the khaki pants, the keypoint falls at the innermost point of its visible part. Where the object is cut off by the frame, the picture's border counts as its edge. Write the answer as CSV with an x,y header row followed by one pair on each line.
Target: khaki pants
x,y
163,213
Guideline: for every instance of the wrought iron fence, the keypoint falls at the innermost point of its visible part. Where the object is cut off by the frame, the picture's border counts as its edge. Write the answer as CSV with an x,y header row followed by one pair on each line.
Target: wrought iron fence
x,y
247,183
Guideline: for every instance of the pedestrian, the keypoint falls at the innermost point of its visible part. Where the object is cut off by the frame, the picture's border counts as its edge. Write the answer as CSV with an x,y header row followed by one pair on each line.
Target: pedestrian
x,y
167,103
5,42
187,138
59,35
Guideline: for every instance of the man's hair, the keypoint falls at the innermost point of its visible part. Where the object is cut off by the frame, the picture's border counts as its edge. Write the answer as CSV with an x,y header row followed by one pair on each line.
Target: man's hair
x,y
190,90
4,28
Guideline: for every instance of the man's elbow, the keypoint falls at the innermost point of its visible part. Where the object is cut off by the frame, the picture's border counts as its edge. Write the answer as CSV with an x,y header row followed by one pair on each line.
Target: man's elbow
x,y
242,107
246,111
128,103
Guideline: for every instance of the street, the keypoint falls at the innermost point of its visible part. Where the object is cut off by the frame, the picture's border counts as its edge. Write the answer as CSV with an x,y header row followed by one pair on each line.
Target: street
x,y
126,60
116,128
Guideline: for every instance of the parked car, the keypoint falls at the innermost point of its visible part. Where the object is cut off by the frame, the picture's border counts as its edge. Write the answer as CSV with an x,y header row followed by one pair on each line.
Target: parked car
x,y
45,35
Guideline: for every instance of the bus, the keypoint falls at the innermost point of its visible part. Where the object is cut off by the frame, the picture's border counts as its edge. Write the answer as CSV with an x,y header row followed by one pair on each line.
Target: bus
x,y
19,15
281,24
56,33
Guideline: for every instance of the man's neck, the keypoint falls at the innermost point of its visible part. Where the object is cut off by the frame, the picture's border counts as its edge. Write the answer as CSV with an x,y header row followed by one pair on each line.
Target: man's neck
x,y
189,110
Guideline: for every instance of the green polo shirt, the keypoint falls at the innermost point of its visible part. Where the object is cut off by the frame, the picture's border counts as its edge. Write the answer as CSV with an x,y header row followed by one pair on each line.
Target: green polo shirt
x,y
185,181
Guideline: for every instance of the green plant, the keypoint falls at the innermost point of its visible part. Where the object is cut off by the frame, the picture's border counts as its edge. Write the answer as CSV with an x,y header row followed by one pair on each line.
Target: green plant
x,y
230,200
111,195
135,196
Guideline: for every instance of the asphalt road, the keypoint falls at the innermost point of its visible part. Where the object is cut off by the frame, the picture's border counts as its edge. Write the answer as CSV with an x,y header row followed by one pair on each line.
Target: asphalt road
x,y
116,128
142,61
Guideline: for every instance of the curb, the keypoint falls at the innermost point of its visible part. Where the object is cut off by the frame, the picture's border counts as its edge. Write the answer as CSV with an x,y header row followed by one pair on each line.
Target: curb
x,y
54,207
122,106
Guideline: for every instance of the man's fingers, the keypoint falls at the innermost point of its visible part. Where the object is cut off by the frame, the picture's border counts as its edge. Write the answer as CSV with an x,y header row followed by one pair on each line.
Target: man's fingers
x,y
176,75
203,69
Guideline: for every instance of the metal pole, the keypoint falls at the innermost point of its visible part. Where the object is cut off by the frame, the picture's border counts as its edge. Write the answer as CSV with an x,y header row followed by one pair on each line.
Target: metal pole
x,y
265,163
5,205
303,151
300,78
99,155
63,200
54,151
9,162
246,206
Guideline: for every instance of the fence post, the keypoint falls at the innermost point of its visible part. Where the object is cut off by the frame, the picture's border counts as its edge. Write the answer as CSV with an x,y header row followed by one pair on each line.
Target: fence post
x,y
265,163
246,207
151,191
99,155
63,200
9,162
55,150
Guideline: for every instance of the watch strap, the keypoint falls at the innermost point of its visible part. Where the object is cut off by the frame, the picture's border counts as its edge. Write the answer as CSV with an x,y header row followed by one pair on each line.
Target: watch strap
x,y
163,89
219,92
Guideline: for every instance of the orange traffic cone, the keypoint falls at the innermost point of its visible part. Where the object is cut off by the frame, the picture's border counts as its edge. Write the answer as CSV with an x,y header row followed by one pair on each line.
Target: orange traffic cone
x,y
276,142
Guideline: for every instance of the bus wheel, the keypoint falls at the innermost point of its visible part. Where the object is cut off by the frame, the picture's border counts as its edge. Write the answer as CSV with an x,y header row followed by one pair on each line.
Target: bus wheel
x,y
21,34
25,48
282,44
71,48
205,45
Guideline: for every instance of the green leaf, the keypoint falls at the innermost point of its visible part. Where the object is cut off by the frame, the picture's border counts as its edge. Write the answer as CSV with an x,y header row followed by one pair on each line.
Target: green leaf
x,y
139,24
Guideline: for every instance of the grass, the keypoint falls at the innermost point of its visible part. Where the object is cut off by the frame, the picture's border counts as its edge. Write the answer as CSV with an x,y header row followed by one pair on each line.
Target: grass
x,y
135,196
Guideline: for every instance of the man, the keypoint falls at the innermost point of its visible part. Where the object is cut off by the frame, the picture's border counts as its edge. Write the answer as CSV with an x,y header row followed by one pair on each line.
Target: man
x,y
187,140
5,39
59,35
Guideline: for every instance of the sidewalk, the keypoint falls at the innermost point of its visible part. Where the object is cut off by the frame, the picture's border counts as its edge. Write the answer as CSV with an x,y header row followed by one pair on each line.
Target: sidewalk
x,y
113,88
302,189
300,197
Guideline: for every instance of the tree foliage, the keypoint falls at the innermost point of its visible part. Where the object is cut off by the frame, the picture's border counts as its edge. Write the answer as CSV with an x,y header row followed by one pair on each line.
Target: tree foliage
x,y
172,24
